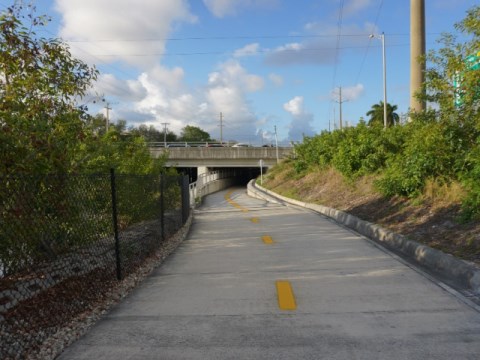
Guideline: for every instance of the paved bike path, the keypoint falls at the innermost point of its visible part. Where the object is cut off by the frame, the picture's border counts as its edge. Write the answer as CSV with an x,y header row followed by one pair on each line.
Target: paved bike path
x,y
255,280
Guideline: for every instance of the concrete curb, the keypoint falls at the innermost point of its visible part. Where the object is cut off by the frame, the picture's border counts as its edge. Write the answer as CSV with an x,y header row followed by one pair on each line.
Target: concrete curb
x,y
457,273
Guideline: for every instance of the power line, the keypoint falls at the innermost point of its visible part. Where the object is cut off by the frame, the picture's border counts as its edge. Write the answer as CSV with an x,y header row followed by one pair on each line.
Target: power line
x,y
260,51
227,38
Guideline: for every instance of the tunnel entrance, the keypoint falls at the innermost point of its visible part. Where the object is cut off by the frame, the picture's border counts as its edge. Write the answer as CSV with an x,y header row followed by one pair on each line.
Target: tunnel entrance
x,y
242,175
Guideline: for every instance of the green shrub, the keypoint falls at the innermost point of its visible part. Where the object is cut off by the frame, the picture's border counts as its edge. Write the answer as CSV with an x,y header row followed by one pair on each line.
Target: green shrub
x,y
427,153
471,180
353,151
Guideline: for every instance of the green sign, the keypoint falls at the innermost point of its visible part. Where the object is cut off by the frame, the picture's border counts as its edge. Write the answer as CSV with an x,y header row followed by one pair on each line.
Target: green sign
x,y
473,63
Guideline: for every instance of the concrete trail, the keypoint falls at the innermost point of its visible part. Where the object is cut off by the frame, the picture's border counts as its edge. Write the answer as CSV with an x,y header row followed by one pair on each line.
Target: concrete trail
x,y
256,280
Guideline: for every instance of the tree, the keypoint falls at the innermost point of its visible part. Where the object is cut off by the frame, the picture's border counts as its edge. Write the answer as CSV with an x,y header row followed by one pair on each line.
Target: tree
x,y
376,114
42,129
453,76
128,153
452,83
151,134
40,124
193,133
96,124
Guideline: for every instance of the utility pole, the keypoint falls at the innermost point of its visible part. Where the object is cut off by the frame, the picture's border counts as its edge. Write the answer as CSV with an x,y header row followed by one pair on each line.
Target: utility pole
x,y
107,118
417,50
384,82
165,134
340,101
333,120
384,60
276,143
221,128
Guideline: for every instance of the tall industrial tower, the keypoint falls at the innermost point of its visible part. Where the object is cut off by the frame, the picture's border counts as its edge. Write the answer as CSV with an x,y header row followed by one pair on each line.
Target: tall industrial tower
x,y
417,49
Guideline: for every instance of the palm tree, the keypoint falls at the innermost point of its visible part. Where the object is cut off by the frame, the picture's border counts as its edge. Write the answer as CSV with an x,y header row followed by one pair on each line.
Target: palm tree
x,y
376,114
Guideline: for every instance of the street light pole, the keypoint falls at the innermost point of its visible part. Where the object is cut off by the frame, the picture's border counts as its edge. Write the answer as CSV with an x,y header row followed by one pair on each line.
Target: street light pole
x,y
382,38
165,134
276,143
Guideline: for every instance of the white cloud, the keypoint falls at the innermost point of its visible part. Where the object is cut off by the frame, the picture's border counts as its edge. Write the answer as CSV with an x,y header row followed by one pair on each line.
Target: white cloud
x,y
232,72
161,95
301,124
253,83
352,7
111,27
223,8
294,106
109,85
322,49
349,93
247,50
277,80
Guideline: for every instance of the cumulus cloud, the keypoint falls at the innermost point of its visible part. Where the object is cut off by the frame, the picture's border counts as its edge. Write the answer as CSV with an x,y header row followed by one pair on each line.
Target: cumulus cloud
x,y
349,93
301,124
321,49
352,7
108,84
115,31
232,72
276,79
247,50
223,8
161,95
101,29
294,106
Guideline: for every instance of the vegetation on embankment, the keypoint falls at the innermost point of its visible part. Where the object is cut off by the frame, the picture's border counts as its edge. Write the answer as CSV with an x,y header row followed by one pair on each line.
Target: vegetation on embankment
x,y
422,178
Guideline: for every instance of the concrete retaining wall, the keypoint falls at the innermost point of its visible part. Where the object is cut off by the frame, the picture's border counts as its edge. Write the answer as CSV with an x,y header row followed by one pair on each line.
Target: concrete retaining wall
x,y
459,274
217,185
211,187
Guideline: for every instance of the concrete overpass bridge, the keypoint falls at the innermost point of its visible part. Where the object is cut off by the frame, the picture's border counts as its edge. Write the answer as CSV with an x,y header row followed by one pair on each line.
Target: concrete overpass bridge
x,y
222,157
211,169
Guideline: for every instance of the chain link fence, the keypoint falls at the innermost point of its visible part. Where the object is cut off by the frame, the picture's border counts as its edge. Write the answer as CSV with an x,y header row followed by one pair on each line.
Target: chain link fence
x,y
65,240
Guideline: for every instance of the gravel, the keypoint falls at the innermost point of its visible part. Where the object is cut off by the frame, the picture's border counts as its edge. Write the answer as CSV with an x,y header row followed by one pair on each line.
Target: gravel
x,y
64,336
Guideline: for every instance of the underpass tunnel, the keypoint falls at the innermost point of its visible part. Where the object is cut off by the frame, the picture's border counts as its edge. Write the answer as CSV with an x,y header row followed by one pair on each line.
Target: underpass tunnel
x,y
242,174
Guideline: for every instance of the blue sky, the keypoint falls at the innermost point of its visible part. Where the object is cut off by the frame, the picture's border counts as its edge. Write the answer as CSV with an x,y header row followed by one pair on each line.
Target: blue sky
x,y
262,63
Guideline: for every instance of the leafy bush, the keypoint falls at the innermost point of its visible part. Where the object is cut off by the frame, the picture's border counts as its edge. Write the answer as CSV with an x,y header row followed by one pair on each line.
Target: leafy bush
x,y
427,153
471,204
354,151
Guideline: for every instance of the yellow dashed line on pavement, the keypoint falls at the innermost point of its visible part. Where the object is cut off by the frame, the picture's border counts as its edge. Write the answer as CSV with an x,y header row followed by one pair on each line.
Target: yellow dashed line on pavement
x,y
254,220
286,298
233,203
267,239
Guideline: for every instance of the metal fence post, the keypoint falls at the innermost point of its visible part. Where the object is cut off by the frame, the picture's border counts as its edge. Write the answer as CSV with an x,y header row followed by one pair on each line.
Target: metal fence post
x,y
162,205
185,198
115,224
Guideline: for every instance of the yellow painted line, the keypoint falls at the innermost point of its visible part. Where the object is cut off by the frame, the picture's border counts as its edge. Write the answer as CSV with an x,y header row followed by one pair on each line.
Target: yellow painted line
x,y
286,298
233,203
254,220
267,239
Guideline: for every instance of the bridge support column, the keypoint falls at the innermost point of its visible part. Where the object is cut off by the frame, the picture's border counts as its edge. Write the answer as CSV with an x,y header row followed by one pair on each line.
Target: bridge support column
x,y
202,170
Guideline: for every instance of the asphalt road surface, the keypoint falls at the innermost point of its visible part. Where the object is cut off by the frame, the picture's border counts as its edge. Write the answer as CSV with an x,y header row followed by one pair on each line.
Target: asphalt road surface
x,y
256,280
